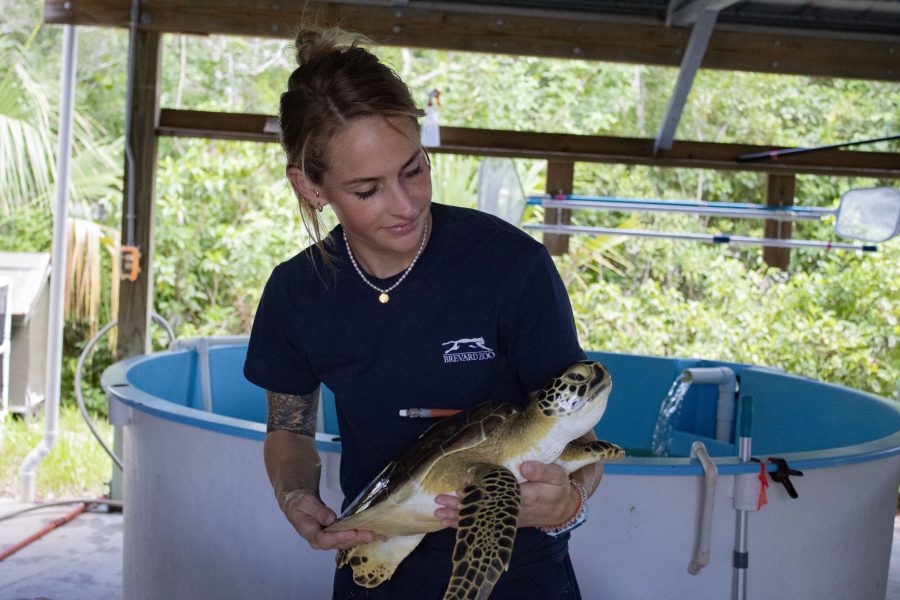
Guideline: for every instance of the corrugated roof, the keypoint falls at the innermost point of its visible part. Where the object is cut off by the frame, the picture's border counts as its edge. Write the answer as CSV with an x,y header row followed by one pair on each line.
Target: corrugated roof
x,y
814,16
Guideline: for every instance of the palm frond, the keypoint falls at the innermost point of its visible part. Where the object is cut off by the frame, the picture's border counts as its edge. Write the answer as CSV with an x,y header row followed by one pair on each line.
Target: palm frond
x,y
589,256
84,276
97,170
26,143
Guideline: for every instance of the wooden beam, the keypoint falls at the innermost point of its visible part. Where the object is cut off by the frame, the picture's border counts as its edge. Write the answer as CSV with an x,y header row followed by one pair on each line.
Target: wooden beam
x,y
562,146
560,177
639,151
780,193
136,297
219,126
535,32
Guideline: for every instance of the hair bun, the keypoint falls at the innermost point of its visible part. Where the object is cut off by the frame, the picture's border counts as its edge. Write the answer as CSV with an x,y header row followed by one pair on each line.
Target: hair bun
x,y
314,42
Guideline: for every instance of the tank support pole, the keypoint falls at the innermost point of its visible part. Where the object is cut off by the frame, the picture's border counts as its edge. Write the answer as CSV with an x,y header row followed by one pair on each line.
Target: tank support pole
x,y
741,555
741,558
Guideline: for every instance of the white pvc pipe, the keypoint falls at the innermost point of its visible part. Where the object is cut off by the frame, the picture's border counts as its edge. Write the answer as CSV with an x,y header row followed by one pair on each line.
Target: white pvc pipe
x,y
734,240
737,211
219,340
723,377
201,346
5,343
205,375
58,277
710,479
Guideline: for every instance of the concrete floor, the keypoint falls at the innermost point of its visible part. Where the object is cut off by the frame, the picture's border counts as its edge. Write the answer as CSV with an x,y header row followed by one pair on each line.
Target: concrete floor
x,y
82,560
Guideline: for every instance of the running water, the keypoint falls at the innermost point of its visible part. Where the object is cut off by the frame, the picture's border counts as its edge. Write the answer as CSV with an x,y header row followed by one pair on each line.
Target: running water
x,y
668,416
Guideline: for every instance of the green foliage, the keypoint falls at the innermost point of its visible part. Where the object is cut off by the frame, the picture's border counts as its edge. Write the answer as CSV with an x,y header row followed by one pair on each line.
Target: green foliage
x,y
220,73
28,229
840,323
453,179
75,339
225,217
77,466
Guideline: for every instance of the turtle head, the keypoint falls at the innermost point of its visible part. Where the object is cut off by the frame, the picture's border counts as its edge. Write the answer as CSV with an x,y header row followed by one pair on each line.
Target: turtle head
x,y
578,395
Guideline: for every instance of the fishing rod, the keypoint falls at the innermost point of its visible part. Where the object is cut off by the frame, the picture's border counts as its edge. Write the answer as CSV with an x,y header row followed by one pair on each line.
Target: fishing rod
x,y
774,154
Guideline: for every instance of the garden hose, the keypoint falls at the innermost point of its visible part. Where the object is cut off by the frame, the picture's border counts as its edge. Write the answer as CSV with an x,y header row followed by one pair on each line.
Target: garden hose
x,y
56,523
78,368
88,501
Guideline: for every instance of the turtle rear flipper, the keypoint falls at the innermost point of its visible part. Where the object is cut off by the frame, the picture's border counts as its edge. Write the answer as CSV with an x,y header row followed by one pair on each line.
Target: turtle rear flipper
x,y
375,562
488,516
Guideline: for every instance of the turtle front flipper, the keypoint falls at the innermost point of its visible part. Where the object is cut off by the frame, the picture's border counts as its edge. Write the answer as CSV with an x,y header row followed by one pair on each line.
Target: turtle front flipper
x,y
488,516
375,562
579,453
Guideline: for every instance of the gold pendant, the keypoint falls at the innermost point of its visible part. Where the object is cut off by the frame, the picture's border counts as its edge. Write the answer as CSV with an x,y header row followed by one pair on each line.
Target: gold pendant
x,y
383,298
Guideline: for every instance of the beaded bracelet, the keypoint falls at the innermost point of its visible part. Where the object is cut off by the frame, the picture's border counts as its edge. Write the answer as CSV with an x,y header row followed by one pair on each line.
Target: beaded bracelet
x,y
579,517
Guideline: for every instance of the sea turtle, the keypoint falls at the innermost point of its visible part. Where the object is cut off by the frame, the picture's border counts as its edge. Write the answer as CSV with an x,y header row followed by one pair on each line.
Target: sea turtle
x,y
478,451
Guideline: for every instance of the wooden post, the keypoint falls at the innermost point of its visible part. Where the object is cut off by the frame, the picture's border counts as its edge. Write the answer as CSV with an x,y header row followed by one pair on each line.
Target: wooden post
x,y
136,297
559,181
780,193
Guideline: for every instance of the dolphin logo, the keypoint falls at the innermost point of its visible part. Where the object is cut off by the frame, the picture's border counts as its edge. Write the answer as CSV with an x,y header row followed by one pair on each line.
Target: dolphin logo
x,y
455,345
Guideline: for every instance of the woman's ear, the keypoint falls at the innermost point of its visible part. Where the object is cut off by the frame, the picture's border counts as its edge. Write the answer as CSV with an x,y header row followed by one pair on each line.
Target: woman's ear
x,y
305,188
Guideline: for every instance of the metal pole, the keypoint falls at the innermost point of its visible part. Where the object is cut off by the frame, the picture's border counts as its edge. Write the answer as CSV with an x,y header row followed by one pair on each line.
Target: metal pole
x,y
58,278
129,101
741,555
690,63
700,207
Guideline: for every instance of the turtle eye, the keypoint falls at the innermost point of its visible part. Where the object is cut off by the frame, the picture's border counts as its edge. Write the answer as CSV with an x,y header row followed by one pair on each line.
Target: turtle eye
x,y
576,377
577,374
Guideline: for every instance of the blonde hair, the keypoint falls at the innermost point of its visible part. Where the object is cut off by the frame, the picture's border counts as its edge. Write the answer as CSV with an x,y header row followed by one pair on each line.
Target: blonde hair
x,y
335,82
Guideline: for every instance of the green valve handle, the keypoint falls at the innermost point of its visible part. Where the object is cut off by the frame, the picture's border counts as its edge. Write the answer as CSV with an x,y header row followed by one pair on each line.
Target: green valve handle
x,y
746,415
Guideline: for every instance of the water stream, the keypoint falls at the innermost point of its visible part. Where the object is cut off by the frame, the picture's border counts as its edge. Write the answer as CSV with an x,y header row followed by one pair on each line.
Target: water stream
x,y
668,416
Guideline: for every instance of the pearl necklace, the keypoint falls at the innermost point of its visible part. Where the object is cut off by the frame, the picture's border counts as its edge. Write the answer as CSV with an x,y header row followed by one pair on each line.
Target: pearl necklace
x,y
383,296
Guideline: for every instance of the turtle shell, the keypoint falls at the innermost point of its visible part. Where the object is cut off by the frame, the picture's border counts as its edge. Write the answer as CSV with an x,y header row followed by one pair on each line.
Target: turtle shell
x,y
462,431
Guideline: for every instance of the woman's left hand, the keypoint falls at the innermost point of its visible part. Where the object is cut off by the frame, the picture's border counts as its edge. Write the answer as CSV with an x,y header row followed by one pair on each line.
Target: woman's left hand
x,y
547,497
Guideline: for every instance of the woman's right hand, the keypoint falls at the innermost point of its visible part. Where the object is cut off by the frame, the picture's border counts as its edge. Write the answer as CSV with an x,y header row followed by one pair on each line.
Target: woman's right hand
x,y
310,516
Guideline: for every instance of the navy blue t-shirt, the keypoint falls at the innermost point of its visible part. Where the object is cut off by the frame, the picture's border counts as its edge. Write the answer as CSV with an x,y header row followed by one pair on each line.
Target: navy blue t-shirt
x,y
483,315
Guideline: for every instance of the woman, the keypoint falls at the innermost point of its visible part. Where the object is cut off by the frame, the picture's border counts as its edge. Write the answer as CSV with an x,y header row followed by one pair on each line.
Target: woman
x,y
404,304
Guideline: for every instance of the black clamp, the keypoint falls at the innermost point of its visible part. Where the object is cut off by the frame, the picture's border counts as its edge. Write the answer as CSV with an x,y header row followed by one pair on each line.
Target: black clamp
x,y
782,474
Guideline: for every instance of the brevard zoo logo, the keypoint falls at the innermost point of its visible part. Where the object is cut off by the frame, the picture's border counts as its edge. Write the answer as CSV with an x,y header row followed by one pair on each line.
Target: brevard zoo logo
x,y
467,349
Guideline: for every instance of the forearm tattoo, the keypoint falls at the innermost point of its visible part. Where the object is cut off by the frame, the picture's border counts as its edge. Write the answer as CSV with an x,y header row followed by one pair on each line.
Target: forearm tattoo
x,y
293,413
